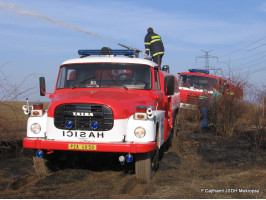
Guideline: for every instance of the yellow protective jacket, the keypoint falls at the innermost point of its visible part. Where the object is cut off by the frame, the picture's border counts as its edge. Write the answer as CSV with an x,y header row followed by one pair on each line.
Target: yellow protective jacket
x,y
204,101
153,43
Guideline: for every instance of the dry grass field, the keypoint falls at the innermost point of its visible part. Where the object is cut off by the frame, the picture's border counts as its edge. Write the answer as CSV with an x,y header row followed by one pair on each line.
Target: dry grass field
x,y
198,165
13,120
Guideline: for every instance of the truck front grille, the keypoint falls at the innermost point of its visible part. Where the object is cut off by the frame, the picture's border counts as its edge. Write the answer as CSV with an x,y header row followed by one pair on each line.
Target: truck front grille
x,y
82,115
192,99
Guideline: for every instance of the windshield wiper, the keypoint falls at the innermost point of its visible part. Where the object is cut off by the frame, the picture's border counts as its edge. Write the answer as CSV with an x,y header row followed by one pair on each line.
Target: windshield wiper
x,y
118,83
78,84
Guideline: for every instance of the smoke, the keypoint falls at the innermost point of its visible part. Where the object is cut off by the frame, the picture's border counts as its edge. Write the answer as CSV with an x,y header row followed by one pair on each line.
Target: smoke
x,y
21,11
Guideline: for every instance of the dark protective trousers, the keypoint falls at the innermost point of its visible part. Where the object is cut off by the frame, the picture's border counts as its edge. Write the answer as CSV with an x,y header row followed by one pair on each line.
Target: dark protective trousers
x,y
204,121
158,59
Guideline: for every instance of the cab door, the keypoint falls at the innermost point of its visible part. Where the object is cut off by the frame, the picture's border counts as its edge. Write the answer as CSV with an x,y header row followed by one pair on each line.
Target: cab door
x,y
158,91
158,96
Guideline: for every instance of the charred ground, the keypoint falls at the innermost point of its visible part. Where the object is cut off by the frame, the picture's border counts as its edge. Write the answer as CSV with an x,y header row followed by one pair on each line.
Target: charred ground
x,y
198,165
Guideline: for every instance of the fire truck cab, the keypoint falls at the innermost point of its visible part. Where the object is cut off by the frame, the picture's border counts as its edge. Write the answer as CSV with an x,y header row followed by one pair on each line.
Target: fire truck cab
x,y
193,82
113,102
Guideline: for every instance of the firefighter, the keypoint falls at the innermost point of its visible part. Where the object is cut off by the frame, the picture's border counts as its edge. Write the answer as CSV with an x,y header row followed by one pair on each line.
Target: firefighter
x,y
215,113
204,106
154,45
215,95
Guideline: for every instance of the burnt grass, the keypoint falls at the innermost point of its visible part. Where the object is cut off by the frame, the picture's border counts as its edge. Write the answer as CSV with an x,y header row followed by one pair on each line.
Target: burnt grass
x,y
231,150
197,160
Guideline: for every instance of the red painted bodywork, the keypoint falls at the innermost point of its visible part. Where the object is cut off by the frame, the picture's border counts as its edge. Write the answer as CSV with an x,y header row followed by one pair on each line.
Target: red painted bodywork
x,y
123,104
101,147
191,96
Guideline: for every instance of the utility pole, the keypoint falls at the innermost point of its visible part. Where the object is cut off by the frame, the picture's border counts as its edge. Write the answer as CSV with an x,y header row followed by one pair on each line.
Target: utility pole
x,y
264,112
207,56
16,93
229,68
228,64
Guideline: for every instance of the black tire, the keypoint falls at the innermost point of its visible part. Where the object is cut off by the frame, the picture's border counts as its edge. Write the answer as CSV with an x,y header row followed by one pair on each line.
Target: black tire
x,y
42,166
173,135
143,167
169,141
175,128
146,165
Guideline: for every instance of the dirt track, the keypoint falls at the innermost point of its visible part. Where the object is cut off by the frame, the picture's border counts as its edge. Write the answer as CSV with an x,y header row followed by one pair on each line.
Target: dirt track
x,y
198,165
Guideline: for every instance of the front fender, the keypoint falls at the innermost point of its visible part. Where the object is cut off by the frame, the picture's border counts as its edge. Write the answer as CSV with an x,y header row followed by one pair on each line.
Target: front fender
x,y
40,120
149,125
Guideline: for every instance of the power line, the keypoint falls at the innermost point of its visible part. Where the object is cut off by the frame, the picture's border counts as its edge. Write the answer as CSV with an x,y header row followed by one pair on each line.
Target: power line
x,y
248,63
242,58
242,48
257,47
257,70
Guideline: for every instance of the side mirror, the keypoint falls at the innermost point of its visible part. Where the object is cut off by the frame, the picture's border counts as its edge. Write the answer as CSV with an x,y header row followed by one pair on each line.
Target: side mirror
x,y
169,82
42,86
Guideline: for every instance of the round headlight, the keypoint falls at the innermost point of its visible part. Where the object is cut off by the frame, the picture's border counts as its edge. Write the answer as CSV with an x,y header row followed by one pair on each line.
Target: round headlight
x,y
140,132
35,128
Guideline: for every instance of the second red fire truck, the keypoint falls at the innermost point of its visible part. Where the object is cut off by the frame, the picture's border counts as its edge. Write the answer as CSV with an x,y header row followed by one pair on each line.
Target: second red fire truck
x,y
193,82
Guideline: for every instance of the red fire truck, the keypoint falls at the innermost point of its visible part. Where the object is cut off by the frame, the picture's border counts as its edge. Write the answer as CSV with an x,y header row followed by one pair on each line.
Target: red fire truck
x,y
113,102
193,82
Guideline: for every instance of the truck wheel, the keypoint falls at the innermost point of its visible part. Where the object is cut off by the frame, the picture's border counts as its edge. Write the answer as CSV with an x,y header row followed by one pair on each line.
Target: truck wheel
x,y
175,129
155,160
169,141
143,167
146,164
42,166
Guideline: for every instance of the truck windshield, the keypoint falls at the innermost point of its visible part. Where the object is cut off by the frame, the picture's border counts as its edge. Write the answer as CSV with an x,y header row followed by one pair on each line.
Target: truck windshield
x,y
105,75
197,82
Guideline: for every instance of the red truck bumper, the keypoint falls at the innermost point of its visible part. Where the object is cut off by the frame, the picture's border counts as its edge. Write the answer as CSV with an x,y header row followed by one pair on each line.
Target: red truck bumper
x,y
34,143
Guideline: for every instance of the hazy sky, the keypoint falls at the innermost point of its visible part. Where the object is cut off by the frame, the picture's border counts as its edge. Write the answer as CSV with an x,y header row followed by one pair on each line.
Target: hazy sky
x,y
32,42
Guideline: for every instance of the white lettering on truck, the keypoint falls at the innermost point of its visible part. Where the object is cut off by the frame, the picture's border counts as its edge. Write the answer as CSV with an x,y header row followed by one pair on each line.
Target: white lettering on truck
x,y
85,114
83,134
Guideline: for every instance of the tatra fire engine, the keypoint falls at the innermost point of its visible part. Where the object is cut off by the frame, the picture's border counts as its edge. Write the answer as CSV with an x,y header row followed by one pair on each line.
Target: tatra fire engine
x,y
114,102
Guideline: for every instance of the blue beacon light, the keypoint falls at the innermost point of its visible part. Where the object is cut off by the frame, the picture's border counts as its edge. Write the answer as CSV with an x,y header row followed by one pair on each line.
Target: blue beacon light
x,y
69,124
94,125
129,158
39,153
85,52
199,71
